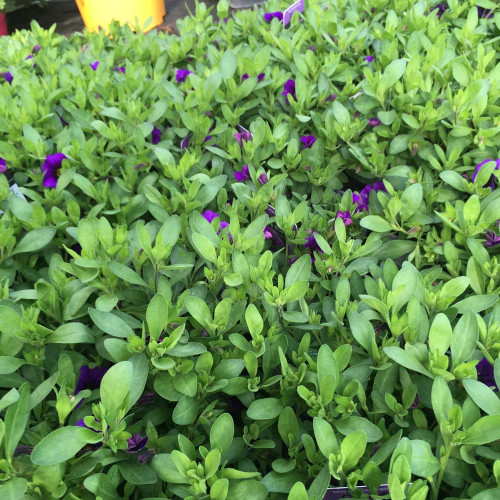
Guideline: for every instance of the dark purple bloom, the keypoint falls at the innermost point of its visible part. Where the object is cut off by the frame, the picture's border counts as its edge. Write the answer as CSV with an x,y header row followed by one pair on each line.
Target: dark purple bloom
x,y
209,215
216,43
415,403
94,65
36,48
242,136
243,175
441,7
369,58
312,244
311,47
223,224
63,121
90,378
345,216
81,423
485,373
23,450
136,443
267,233
28,57
261,77
276,241
289,88
244,77
51,168
182,74
362,199
270,211
156,136
484,13
148,398
185,142
271,15
492,239
374,122
263,179
3,166
8,77
331,97
308,141
121,69
491,182
146,456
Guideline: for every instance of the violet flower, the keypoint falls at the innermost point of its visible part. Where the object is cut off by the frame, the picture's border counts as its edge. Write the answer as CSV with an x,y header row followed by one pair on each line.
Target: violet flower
x,y
270,211
94,65
182,74
209,216
485,373
269,16
90,378
363,198
374,122
3,166
148,398
121,69
492,239
263,179
244,77
242,136
146,456
27,58
52,168
484,13
331,97
414,405
276,241
289,89
491,182
312,244
441,7
156,136
267,234
136,443
261,77
369,58
81,423
308,140
242,175
311,47
63,121
345,216
36,48
7,76
23,450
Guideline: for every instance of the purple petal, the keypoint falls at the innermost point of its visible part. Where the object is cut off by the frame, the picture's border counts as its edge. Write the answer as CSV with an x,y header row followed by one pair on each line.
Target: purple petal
x,y
209,215
156,136
3,166
94,65
185,143
308,140
369,58
8,77
261,77
182,74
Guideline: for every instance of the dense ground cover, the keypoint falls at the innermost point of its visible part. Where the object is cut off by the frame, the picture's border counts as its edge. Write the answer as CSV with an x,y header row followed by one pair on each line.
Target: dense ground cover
x,y
253,261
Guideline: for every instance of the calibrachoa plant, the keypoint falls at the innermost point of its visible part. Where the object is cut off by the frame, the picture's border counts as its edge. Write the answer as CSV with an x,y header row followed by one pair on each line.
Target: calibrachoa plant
x,y
253,261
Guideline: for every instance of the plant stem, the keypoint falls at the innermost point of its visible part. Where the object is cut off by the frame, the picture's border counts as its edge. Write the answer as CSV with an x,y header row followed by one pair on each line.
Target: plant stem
x,y
444,463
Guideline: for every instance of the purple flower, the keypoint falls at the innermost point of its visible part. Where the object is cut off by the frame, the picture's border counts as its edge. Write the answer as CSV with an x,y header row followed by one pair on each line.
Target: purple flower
x,y
90,378
345,216
121,69
28,57
441,7
362,199
63,121
308,140
331,97
267,234
52,167
209,215
36,48
492,239
244,77
312,244
485,373
289,88
182,74
148,398
136,443
223,224
23,450
94,65
261,77
484,13
270,211
243,175
242,136
81,423
271,15
8,77
369,58
276,241
156,136
185,142
415,403
311,47
3,166
146,456
263,179
491,182
374,122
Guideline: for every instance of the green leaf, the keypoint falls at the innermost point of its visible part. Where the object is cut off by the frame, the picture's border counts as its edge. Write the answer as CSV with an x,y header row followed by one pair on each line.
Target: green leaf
x,y
157,315
362,330
464,338
115,385
101,486
341,114
411,200
354,423
405,359
8,399
325,437
423,461
375,223
299,271
264,409
440,334
72,333
14,489
135,473
35,240
60,445
228,64
352,448
16,419
441,399
125,273
484,431
392,74
254,320
9,364
222,432
198,309
43,390
483,396
110,323
186,411
204,247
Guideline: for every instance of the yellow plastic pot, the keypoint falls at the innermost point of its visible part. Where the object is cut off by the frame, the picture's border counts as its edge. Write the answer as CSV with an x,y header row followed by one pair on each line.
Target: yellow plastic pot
x,y
100,13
